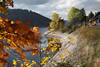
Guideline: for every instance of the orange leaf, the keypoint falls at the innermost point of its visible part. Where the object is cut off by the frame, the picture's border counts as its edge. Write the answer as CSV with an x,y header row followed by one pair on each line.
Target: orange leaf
x,y
1,64
18,21
27,22
5,54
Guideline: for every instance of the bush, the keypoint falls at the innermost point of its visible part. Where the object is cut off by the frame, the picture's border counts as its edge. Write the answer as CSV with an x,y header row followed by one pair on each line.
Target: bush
x,y
67,64
70,28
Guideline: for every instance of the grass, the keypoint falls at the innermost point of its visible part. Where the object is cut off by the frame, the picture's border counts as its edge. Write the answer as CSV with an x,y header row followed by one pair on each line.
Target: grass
x,y
92,53
90,33
89,48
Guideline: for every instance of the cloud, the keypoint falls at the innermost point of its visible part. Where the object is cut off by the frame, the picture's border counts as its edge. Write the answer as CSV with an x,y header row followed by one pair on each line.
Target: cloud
x,y
47,7
98,0
31,2
90,5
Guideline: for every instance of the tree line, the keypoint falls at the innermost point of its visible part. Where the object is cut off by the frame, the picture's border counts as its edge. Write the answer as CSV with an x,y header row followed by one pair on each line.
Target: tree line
x,y
76,18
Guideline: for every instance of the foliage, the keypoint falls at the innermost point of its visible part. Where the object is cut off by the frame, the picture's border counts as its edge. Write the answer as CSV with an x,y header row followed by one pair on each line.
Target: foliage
x,y
57,23
74,13
66,64
27,63
70,28
18,36
4,5
52,25
76,17
76,22
84,15
54,17
90,15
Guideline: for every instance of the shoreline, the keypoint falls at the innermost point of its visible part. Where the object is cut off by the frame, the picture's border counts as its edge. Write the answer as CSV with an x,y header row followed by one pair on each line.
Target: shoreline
x,y
65,46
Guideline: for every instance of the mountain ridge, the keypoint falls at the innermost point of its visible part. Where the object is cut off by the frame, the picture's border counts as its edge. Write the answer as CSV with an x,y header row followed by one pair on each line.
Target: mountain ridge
x,y
26,15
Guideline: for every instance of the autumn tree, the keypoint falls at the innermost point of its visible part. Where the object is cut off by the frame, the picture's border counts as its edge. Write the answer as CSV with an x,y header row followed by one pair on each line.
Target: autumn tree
x,y
4,4
52,25
18,36
57,23
55,19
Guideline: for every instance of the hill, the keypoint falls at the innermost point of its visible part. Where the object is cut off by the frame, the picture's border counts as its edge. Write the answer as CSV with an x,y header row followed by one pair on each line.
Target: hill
x,y
25,15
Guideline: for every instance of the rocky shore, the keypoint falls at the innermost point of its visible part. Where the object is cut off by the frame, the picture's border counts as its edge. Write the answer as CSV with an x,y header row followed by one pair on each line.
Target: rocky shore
x,y
69,44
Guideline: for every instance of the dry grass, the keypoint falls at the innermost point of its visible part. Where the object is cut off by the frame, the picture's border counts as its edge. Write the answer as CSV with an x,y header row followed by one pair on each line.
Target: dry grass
x,y
90,33
89,43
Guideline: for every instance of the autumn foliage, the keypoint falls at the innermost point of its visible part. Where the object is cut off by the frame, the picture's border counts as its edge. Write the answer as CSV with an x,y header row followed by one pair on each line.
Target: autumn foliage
x,y
17,36
4,4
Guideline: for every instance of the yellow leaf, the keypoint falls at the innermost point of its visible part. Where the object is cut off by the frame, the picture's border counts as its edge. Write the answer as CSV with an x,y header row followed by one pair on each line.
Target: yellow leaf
x,y
33,62
45,59
44,52
62,55
14,62
69,37
7,47
22,65
74,38
56,45
47,52
12,22
44,48
72,54
51,29
53,49
54,33
60,40
54,38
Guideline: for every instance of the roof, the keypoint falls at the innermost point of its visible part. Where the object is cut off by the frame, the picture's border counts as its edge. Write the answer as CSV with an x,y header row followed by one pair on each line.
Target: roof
x,y
96,16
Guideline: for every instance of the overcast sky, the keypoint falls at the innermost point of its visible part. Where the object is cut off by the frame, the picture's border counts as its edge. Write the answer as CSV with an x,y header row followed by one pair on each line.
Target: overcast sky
x,y
47,7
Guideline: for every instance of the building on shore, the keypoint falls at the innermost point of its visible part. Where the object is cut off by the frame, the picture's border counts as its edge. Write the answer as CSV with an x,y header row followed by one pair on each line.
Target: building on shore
x,y
95,20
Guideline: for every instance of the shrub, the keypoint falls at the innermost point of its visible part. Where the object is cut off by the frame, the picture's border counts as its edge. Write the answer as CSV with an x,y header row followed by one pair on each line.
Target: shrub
x,y
67,64
70,28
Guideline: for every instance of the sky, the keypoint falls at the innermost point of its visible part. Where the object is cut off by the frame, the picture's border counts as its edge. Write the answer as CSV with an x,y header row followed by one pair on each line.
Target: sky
x,y
62,7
